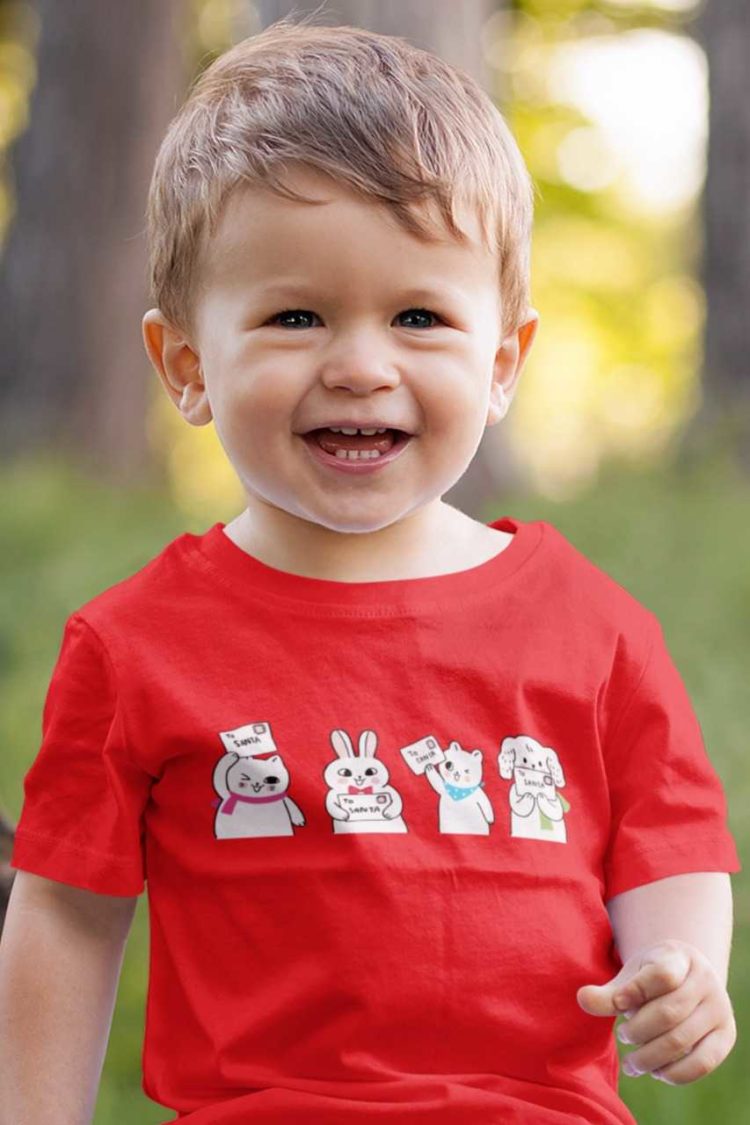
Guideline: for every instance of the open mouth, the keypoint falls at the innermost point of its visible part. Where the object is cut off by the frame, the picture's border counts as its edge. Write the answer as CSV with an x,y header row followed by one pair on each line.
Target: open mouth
x,y
357,447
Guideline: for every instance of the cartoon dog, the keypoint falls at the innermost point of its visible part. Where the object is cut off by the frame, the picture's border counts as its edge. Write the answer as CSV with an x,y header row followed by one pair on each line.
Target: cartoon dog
x,y
537,809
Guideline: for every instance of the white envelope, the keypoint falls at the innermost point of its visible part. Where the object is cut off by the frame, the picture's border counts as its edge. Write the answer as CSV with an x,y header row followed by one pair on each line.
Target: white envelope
x,y
253,738
365,806
426,751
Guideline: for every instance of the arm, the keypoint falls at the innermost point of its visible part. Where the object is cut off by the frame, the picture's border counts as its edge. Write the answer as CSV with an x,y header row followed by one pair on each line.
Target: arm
x,y
674,938
60,959
696,908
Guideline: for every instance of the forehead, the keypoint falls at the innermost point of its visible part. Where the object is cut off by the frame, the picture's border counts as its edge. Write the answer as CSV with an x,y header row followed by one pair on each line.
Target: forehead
x,y
343,238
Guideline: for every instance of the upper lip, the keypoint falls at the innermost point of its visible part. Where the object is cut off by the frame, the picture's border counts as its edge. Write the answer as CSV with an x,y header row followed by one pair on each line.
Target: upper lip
x,y
361,424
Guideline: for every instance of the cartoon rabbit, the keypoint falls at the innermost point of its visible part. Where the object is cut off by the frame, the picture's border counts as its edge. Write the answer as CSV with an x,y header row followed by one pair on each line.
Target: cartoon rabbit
x,y
360,798
537,809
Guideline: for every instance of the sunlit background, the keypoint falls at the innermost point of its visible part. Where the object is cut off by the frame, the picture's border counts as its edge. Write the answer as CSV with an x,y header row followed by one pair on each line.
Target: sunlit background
x,y
619,119
613,127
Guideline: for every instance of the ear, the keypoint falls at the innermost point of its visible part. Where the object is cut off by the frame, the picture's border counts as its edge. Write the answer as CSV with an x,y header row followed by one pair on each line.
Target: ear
x,y
178,366
509,361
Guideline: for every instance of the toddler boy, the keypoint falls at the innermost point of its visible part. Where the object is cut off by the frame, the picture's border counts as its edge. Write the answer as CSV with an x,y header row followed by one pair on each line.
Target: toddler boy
x,y
416,798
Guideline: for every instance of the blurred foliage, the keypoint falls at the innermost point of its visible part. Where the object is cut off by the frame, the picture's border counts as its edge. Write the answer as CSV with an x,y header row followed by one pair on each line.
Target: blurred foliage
x,y
615,370
19,35
654,531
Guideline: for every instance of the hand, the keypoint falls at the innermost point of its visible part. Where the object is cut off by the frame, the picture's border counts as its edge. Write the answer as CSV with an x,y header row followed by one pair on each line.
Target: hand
x,y
680,1015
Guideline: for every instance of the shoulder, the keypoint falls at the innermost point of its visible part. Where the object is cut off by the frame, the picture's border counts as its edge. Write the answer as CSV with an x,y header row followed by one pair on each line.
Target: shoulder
x,y
143,600
589,593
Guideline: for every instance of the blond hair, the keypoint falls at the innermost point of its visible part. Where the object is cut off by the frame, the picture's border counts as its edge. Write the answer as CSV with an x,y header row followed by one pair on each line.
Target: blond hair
x,y
391,121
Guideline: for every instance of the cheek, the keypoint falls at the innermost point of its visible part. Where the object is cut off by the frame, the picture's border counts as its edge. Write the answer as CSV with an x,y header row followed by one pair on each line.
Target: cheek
x,y
262,403
456,392
456,422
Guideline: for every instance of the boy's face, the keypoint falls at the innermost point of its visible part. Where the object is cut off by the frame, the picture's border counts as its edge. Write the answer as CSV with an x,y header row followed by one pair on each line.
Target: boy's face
x,y
384,329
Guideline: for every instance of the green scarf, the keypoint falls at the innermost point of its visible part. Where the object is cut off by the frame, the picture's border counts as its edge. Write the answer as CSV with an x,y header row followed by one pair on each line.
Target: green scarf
x,y
545,821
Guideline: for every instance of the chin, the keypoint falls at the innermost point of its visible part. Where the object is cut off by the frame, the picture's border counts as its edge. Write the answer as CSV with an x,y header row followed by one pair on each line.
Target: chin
x,y
358,523
353,526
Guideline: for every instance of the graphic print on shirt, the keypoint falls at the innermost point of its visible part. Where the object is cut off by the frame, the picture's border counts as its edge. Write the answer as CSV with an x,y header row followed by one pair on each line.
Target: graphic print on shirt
x,y
359,798
252,782
537,809
456,776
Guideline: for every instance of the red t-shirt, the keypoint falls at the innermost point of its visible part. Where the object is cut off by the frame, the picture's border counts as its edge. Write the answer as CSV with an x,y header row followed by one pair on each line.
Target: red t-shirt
x,y
379,823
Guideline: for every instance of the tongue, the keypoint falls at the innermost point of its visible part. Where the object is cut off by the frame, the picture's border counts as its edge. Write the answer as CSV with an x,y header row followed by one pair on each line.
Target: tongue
x,y
330,441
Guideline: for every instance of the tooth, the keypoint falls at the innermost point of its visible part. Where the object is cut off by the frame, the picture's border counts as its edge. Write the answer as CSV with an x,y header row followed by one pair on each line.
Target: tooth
x,y
368,432
347,430
355,455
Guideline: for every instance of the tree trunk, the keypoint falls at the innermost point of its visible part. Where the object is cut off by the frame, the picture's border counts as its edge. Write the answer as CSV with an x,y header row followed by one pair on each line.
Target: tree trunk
x,y
723,420
452,30
73,288
74,377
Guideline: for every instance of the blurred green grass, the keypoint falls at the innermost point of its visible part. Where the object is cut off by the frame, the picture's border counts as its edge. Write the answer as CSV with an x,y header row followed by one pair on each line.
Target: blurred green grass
x,y
679,541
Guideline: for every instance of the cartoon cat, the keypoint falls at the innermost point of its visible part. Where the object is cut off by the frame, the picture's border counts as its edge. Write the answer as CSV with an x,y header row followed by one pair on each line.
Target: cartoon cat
x,y
254,797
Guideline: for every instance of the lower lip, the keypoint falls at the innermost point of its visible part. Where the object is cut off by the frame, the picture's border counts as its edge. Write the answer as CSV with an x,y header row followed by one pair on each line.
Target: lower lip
x,y
344,465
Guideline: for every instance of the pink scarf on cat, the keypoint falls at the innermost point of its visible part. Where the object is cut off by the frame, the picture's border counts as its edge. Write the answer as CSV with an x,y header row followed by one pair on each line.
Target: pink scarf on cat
x,y
233,798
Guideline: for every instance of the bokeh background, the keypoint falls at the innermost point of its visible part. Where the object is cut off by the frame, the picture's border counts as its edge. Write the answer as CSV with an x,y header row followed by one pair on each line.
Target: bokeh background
x,y
630,430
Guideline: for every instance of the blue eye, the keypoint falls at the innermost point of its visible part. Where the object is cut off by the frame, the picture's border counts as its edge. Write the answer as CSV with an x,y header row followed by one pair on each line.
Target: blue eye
x,y
422,312
306,313
291,312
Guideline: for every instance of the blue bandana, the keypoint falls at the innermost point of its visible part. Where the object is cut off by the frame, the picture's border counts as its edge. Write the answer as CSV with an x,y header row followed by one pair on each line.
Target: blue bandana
x,y
458,793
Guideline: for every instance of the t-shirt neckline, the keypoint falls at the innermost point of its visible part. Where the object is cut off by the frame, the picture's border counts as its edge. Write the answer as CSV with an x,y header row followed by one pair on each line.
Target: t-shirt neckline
x,y
246,574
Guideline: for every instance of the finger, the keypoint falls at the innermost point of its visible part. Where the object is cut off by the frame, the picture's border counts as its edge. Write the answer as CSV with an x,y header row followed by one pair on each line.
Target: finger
x,y
673,1045
704,1058
658,1016
660,972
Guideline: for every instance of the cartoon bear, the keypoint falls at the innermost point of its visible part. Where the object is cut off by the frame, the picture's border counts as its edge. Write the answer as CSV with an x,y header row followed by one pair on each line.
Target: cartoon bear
x,y
464,807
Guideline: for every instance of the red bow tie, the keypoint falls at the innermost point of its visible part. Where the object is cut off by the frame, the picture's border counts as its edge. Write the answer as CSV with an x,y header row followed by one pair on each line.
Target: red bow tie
x,y
353,789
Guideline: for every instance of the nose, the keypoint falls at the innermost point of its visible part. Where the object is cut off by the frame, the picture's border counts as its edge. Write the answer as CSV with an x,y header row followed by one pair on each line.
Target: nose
x,y
359,362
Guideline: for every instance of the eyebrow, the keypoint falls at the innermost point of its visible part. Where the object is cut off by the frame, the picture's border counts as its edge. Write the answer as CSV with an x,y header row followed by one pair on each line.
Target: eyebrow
x,y
416,293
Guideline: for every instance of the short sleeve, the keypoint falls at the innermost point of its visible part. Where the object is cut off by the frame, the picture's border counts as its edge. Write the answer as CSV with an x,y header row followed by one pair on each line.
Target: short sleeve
x,y
668,808
82,817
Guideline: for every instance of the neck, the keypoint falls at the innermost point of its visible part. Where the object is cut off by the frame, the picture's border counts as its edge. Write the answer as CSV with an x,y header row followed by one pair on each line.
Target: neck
x,y
422,542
